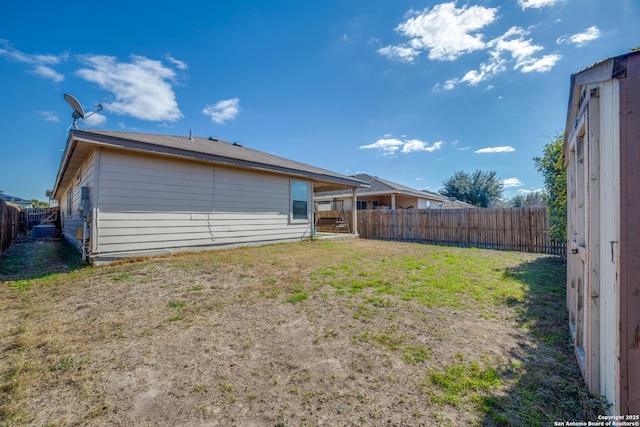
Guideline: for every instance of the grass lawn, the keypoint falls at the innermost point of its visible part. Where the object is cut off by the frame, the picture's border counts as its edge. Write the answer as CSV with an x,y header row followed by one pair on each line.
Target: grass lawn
x,y
351,332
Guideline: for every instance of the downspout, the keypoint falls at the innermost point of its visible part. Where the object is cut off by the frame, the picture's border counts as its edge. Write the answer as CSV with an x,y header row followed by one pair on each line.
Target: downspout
x,y
85,239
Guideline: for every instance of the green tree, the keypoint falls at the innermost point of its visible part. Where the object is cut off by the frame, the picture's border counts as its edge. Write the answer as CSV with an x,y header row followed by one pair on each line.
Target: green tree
x,y
39,204
551,166
517,201
480,188
535,198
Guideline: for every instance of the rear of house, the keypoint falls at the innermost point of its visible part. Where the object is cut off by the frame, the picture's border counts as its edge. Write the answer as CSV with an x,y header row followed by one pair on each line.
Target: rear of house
x,y
124,194
602,157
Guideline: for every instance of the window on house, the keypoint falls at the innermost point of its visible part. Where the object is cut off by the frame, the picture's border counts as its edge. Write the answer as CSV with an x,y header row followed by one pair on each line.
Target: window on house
x,y
362,205
70,201
299,200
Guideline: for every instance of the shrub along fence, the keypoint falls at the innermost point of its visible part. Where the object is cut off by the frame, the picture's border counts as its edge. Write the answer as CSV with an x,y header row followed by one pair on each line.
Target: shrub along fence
x,y
9,224
511,229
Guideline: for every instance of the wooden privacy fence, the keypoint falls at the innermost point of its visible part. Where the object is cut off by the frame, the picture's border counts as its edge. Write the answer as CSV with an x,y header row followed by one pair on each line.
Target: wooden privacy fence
x,y
31,217
9,224
511,229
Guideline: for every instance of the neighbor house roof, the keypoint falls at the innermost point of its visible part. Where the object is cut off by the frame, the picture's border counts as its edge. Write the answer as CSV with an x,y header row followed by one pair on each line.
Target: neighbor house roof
x,y
23,203
81,142
379,186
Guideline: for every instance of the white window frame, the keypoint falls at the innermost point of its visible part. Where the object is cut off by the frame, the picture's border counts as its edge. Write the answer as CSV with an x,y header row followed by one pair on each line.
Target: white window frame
x,y
293,199
70,201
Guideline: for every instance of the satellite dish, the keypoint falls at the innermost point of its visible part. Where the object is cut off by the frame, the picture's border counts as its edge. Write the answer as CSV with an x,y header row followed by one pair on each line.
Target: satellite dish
x,y
75,104
78,111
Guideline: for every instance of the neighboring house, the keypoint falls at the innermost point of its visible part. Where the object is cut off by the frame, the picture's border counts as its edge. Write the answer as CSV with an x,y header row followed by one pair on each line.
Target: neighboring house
x,y
384,194
127,194
22,203
602,154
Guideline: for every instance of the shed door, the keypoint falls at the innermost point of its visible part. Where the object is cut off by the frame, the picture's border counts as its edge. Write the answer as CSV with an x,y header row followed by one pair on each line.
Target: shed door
x,y
583,282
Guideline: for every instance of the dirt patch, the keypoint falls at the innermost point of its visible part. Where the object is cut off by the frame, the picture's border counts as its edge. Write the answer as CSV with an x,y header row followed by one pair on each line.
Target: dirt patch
x,y
262,336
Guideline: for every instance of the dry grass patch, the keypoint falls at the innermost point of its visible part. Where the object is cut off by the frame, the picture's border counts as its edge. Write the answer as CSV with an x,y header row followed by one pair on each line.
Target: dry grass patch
x,y
352,332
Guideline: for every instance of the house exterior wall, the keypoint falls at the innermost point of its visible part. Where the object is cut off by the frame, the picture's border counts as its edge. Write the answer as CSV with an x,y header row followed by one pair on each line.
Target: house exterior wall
x,y
71,219
148,204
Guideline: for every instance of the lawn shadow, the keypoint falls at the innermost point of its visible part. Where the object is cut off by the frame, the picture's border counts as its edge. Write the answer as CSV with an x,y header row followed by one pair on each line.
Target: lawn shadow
x,y
547,385
29,259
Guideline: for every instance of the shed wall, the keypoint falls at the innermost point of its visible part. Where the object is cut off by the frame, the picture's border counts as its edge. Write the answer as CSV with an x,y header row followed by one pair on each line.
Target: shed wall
x,y
608,215
630,238
604,228
593,208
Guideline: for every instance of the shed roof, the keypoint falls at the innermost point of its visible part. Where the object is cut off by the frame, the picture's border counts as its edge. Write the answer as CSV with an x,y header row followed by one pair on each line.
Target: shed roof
x,y
603,70
81,142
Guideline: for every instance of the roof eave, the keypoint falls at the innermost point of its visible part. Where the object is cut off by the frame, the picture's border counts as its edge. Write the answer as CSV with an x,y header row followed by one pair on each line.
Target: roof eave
x,y
76,136
64,161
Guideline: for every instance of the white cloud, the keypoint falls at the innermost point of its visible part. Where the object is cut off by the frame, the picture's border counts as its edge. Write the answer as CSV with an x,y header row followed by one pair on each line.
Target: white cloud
x,y
525,192
50,59
223,111
141,87
386,145
487,70
47,73
511,47
48,116
390,146
503,149
181,65
95,119
541,65
447,85
511,182
537,4
417,145
580,39
513,43
41,63
447,32
405,54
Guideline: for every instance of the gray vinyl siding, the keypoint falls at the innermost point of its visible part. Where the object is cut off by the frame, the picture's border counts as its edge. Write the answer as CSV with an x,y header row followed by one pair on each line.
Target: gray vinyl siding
x,y
71,222
150,203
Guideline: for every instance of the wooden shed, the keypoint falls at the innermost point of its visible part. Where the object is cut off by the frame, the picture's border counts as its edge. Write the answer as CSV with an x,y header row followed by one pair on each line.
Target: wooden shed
x,y
125,194
602,157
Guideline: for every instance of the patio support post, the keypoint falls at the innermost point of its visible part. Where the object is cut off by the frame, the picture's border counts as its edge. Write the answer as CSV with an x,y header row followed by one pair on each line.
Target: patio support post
x,y
354,211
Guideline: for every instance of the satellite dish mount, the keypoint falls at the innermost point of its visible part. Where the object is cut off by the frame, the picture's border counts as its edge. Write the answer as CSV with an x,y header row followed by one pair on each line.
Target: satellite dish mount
x,y
78,111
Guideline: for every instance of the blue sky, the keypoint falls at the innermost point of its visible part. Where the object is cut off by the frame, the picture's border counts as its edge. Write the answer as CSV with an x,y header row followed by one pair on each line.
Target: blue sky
x,y
410,91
